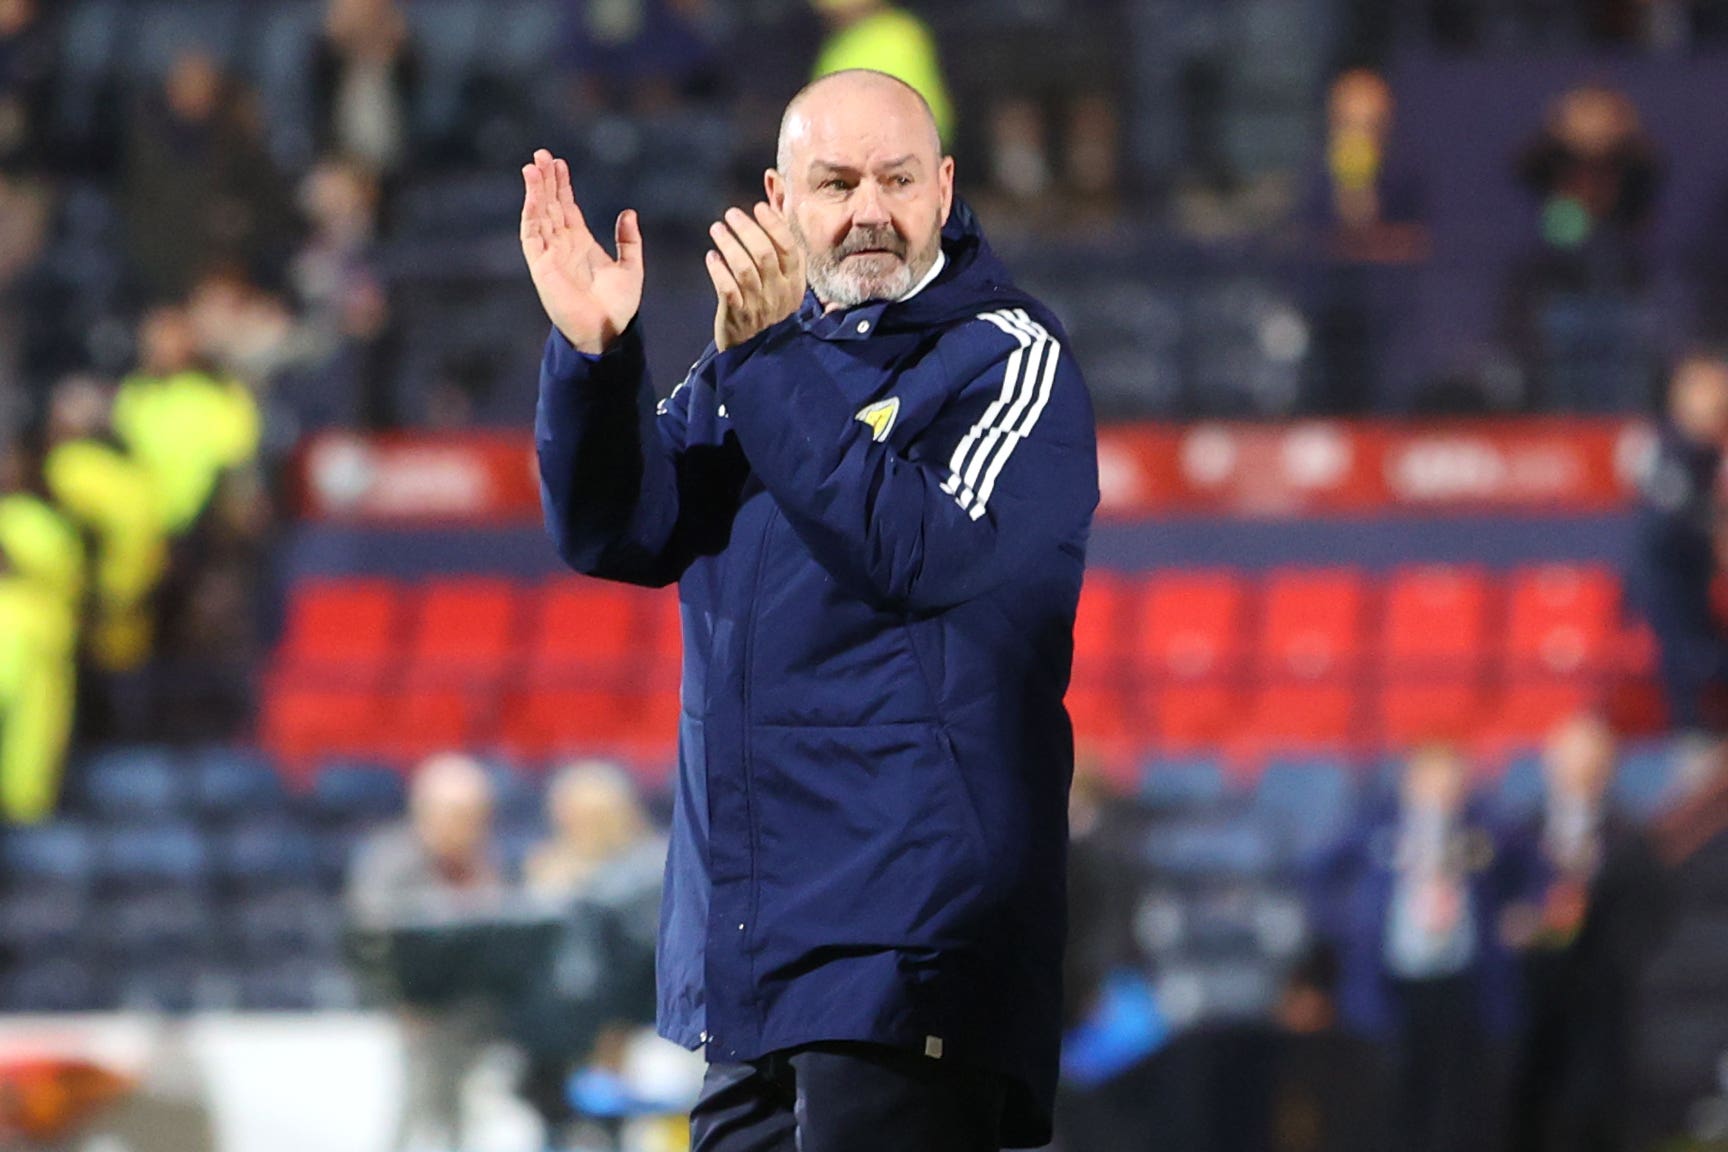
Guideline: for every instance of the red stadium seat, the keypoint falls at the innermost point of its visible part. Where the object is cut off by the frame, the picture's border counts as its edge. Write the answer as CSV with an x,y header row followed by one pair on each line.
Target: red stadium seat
x,y
302,721
342,630
1108,729
666,639
1190,625
463,630
427,720
1412,712
1527,710
1436,622
541,722
1562,620
1312,623
1105,604
586,630
1187,718
1296,716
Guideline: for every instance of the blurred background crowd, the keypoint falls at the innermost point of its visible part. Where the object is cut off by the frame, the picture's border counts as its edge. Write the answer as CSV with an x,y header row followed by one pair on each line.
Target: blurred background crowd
x,y
1403,830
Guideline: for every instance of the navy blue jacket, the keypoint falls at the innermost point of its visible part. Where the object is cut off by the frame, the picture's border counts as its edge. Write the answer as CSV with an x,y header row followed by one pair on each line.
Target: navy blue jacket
x,y
877,520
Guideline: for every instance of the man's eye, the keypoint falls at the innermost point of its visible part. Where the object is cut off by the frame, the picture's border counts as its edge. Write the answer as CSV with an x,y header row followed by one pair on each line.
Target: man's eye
x,y
902,181
834,184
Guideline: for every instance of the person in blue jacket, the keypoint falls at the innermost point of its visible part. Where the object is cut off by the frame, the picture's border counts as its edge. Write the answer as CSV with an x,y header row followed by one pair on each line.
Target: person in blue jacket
x,y
874,491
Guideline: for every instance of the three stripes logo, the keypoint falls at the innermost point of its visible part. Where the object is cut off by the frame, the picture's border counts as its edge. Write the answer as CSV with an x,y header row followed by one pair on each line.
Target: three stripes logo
x,y
981,454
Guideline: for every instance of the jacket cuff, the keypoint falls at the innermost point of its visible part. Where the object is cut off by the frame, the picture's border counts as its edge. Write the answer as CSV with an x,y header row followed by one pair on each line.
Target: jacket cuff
x,y
565,362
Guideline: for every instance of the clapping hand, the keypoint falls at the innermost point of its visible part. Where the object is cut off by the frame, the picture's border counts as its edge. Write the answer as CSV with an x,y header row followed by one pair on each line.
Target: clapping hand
x,y
758,273
590,296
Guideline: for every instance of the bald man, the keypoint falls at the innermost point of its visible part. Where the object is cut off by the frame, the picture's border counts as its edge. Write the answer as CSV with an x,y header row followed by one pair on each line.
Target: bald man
x,y
874,490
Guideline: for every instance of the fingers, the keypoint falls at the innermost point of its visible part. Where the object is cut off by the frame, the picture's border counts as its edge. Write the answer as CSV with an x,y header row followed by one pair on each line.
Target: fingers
x,y
778,231
572,212
736,257
725,283
754,239
628,236
533,209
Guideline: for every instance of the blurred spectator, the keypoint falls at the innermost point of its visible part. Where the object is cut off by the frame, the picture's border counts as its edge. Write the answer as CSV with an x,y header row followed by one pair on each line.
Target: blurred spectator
x,y
365,83
440,864
26,85
1683,1000
242,329
199,185
189,426
1104,842
604,862
1330,1092
1586,913
1049,81
875,34
341,289
42,582
1575,303
1675,547
112,499
1421,891
643,56
1369,214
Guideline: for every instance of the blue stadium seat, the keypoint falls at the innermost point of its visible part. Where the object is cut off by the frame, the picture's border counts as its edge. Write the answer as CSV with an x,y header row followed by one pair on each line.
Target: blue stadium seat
x,y
172,922
295,984
1645,779
353,793
43,921
177,986
61,984
229,784
1211,849
91,35
525,38
290,922
1308,802
1184,785
166,854
447,35
64,853
280,68
266,853
133,786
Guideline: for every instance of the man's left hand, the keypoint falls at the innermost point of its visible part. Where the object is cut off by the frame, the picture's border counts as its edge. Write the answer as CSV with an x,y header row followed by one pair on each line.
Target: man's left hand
x,y
758,273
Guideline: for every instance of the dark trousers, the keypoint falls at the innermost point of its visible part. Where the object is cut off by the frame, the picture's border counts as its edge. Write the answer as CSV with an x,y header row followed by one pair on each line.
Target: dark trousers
x,y
845,1097
1440,1076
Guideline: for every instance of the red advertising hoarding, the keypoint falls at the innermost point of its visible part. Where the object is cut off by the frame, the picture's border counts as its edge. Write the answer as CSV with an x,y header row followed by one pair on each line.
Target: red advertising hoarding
x,y
1548,466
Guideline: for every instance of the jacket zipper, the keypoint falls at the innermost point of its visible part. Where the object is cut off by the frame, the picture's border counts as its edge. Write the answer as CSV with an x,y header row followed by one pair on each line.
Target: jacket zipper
x,y
746,655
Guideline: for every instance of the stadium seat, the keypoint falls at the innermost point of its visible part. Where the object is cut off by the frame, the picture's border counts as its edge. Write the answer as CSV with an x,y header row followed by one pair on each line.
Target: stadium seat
x,y
266,854
1527,710
301,722
1436,622
1187,718
344,629
1306,802
56,985
134,785
462,631
540,723
44,921
1562,620
1206,850
170,922
585,631
1107,729
1188,785
427,719
1312,623
1518,795
1644,783
231,783
1295,716
1104,612
169,855
1190,625
347,794
63,853
1410,712
292,922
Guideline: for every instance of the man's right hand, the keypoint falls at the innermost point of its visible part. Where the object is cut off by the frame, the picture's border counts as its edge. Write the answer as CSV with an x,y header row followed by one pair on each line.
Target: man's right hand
x,y
589,296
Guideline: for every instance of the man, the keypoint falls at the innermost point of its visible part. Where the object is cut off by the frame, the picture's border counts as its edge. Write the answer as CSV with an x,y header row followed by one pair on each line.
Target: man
x,y
1586,917
875,497
1422,882
437,866
878,36
1675,542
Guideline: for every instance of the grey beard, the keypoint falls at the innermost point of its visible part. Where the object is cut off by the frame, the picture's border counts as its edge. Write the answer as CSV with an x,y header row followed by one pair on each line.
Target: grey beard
x,y
834,285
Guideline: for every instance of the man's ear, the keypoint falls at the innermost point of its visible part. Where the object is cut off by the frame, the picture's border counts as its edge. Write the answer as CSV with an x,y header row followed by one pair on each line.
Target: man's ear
x,y
945,181
775,186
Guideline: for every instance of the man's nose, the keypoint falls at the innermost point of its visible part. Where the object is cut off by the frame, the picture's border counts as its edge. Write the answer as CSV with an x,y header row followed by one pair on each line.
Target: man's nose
x,y
868,208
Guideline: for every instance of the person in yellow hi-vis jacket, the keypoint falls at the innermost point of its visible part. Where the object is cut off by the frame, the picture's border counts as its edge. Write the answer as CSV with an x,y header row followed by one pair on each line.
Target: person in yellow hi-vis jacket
x,y
42,581
875,35
112,497
187,425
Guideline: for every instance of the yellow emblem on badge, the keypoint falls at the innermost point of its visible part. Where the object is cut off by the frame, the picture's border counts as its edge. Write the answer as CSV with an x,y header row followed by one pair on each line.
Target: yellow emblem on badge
x,y
880,416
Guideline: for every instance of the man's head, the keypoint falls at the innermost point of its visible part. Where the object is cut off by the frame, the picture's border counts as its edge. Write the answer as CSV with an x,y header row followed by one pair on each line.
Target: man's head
x,y
1698,397
450,805
595,810
1579,759
1361,104
1435,779
863,183
167,341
